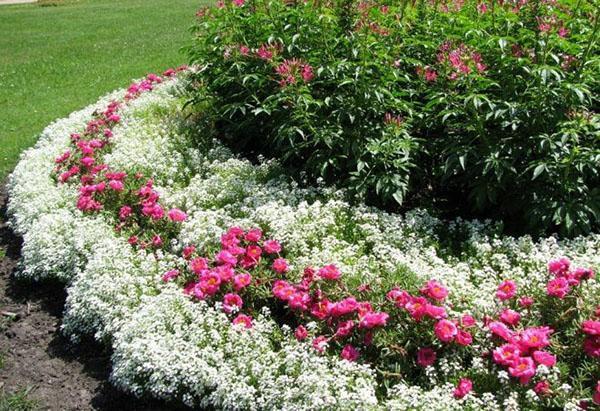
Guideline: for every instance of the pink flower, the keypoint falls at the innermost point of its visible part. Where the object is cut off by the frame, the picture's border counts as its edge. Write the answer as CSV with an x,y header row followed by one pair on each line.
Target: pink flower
x,y
596,395
254,235
280,265
343,307
244,50
558,287
506,290
225,273
344,328
301,333
198,264
241,281
299,301
254,252
124,212
544,358
243,319
372,320
272,246
434,290
398,297
417,307
542,388
176,215
445,330
320,309
264,53
349,353
526,301
239,3
467,321
426,357
591,346
559,267
210,282
464,338
307,73
116,185
170,275
430,75
115,118
225,257
188,251
157,241
435,312
320,344
506,354
591,327
535,337
522,367
510,317
87,161
232,302
329,272
501,330
464,387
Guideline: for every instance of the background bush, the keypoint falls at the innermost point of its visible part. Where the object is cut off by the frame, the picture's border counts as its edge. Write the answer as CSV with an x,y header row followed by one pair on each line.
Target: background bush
x,y
472,108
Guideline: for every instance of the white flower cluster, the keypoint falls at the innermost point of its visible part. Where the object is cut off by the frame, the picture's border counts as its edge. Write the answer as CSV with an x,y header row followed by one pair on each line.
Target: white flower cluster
x,y
172,348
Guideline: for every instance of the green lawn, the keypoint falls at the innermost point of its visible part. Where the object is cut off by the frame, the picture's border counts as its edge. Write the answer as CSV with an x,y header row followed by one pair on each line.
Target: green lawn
x,y
57,59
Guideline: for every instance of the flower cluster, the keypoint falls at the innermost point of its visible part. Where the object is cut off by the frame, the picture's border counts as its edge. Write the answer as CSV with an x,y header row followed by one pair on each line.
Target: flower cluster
x,y
326,306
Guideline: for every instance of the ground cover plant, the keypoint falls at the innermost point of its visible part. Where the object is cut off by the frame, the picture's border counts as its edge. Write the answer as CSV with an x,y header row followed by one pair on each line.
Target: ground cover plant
x,y
472,107
57,58
221,282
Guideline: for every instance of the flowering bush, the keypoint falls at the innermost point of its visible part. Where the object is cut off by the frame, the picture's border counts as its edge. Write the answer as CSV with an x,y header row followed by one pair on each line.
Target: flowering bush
x,y
470,106
221,283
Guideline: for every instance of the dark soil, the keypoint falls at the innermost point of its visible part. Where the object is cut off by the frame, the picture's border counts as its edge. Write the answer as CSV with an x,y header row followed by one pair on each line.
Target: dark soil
x,y
62,376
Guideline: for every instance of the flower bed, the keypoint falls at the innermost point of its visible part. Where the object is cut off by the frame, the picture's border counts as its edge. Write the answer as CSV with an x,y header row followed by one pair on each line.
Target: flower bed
x,y
222,283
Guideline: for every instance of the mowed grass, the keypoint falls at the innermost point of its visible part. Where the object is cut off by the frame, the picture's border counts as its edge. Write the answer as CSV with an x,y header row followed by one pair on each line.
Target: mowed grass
x,y
58,58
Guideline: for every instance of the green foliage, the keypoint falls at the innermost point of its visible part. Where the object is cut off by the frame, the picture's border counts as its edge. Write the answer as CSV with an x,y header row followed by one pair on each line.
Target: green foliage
x,y
18,401
475,111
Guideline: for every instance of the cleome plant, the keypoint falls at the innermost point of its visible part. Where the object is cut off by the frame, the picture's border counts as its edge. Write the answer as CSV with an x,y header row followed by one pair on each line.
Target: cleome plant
x,y
473,108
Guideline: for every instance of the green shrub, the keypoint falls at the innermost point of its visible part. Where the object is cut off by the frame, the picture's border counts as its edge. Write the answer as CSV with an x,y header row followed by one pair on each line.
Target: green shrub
x,y
472,108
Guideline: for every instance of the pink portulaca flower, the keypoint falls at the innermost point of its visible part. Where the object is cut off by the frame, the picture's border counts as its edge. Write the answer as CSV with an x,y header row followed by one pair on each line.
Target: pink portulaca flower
x,y
280,265
116,185
253,252
559,267
225,257
542,388
372,320
344,328
198,265
188,251
506,290
329,272
464,338
272,247
523,368
467,321
544,358
435,312
417,307
176,215
170,275
299,301
558,287
399,297
596,395
157,241
225,273
464,387
445,330
125,212
426,357
535,337
526,301
241,281
301,333
591,327
239,3
434,290
510,317
343,307
506,354
591,346
350,353
232,302
210,283
254,235
502,331
320,344
243,319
